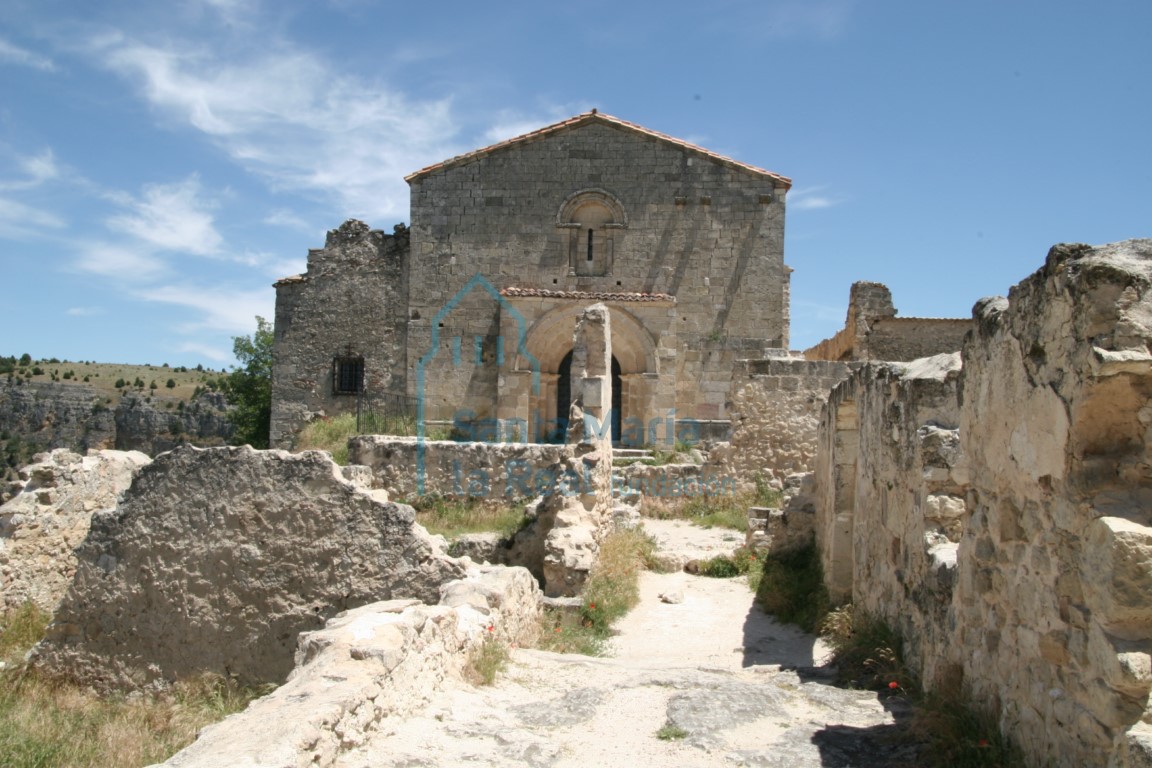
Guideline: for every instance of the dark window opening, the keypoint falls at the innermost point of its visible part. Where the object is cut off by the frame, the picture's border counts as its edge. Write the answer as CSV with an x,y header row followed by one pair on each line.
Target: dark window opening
x,y
590,245
348,375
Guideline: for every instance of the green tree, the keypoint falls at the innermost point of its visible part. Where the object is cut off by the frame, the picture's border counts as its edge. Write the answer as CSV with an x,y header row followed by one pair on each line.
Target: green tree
x,y
249,387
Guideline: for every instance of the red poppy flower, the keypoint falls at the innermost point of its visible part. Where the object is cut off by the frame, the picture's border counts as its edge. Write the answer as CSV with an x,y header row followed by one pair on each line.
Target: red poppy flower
x,y
893,685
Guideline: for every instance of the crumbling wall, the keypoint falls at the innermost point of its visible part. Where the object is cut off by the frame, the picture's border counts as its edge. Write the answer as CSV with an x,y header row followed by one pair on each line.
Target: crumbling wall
x,y
1054,596
382,660
216,559
351,304
893,498
1050,619
873,332
49,517
408,469
775,410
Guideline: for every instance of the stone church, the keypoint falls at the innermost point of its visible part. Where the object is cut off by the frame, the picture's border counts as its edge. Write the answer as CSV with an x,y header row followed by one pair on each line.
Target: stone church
x,y
468,314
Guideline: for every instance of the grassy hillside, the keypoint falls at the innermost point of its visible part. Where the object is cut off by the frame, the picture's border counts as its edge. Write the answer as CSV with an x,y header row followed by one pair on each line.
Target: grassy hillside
x,y
114,380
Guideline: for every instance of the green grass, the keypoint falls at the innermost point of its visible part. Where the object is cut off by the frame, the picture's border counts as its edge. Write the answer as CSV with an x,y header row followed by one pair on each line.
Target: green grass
x,y
669,732
612,589
451,517
50,723
487,662
743,561
705,511
791,588
329,434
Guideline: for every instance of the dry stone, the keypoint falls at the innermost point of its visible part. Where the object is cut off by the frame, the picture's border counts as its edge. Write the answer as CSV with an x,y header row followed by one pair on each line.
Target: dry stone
x,y
216,560
42,525
366,665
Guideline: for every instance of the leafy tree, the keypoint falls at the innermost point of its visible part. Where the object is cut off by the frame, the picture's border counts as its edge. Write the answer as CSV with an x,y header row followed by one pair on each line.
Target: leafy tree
x,y
25,360
249,388
171,384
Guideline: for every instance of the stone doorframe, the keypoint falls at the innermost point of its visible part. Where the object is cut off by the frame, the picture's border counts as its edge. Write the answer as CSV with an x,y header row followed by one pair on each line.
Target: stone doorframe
x,y
549,339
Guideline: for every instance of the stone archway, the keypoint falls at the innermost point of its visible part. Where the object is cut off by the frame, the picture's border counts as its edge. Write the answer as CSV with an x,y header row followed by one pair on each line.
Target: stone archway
x,y
549,340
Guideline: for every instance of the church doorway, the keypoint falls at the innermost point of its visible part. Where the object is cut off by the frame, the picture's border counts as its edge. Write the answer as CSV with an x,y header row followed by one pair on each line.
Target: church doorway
x,y
564,398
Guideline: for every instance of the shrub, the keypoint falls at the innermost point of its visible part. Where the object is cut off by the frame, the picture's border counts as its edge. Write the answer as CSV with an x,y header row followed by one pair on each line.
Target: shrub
x,y
171,384
120,384
742,561
792,588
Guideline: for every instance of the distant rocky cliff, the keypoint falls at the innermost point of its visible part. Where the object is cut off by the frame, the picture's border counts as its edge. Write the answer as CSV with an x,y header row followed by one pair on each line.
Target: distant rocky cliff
x,y
40,416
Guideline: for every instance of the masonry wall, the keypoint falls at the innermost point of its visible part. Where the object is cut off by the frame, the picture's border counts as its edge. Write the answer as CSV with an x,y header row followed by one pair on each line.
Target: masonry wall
x,y
1049,620
893,481
775,411
709,234
351,303
910,338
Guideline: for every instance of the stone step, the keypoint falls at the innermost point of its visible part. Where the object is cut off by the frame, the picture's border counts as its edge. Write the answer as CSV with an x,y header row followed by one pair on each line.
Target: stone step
x,y
631,453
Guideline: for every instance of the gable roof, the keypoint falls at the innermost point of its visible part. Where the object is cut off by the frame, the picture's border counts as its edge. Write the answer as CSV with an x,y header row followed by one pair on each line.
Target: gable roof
x,y
587,118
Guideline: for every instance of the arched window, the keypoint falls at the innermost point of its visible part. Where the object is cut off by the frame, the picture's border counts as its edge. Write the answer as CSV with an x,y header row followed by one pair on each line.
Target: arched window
x,y
591,218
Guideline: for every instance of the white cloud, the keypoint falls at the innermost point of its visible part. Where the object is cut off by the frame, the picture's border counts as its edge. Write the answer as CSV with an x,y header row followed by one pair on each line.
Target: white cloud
x,y
129,263
224,309
171,217
206,350
21,220
291,117
40,167
84,311
810,199
16,55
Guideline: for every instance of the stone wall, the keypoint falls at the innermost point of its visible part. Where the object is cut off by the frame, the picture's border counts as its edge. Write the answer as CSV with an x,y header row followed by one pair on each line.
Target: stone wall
x,y
892,482
216,559
1046,615
41,526
511,471
383,660
872,331
775,412
351,304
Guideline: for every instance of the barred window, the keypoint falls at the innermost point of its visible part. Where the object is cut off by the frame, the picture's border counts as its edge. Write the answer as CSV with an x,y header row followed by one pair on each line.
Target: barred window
x,y
348,375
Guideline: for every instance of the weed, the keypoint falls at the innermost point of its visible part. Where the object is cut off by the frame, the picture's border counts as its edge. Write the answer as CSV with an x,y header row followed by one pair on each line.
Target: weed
x,y
330,434
487,662
48,722
451,517
706,511
791,588
612,589
951,731
742,561
669,732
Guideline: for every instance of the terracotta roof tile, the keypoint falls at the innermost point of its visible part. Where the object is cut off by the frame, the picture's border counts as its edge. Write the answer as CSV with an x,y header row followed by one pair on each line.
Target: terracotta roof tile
x,y
515,292
590,117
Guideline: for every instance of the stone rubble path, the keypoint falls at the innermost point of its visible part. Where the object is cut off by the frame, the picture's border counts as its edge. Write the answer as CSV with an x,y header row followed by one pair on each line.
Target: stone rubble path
x,y
710,665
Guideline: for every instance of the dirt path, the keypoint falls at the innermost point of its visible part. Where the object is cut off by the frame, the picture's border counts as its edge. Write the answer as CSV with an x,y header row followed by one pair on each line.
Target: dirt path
x,y
709,665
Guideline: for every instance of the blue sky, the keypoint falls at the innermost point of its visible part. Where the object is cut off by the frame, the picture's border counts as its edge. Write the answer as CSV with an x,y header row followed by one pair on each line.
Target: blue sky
x,y
162,163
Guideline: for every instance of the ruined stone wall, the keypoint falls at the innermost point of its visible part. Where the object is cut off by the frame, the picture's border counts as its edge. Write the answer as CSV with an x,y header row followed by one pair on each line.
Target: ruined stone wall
x,y
381,661
775,412
48,518
216,559
873,332
1050,619
707,233
910,338
511,471
892,481
351,303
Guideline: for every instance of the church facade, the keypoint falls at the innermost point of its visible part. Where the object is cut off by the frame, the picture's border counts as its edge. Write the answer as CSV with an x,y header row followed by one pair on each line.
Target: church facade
x,y
469,312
